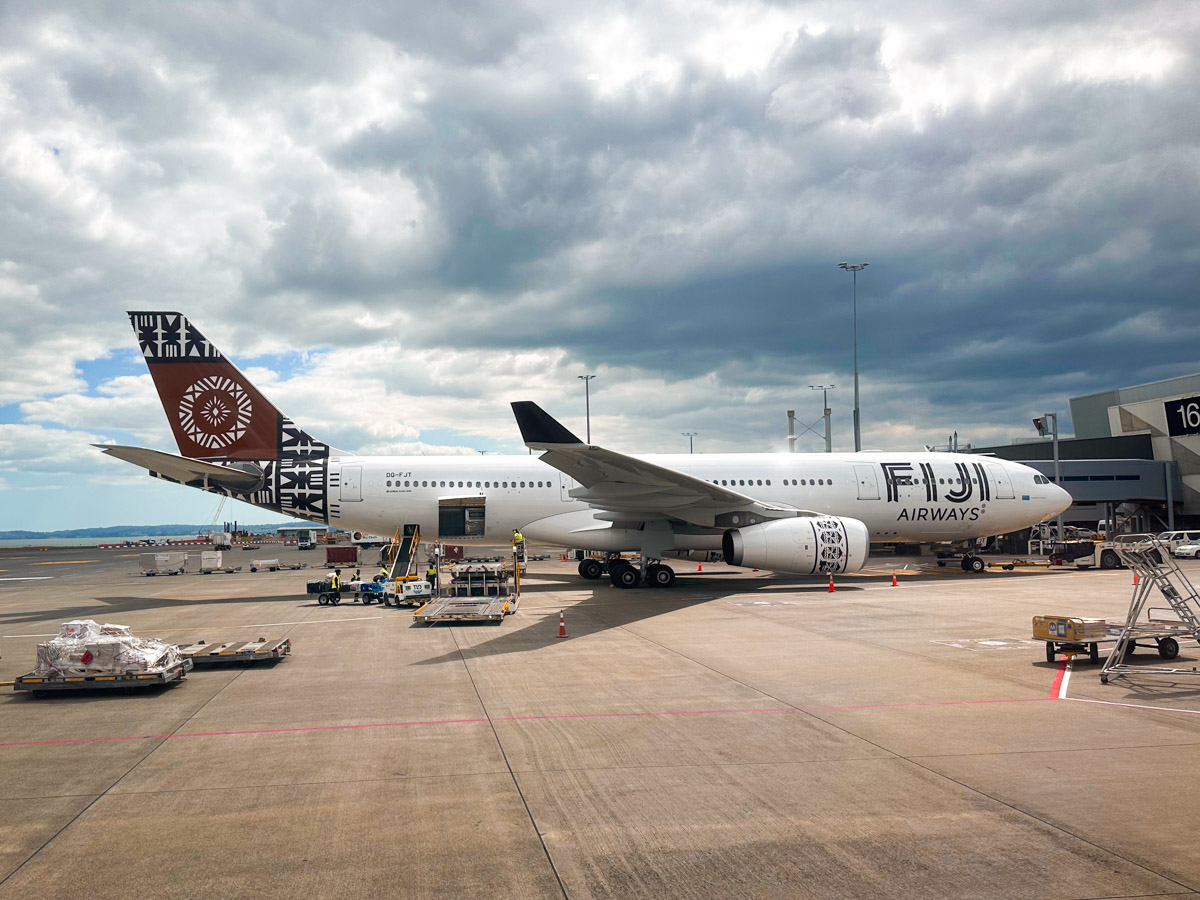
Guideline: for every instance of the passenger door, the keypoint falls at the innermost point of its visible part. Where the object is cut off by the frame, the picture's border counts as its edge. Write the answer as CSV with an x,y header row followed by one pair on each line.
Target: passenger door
x,y
868,484
351,483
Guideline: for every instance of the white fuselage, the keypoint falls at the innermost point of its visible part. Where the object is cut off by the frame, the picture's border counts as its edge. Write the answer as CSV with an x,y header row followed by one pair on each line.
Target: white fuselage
x,y
913,497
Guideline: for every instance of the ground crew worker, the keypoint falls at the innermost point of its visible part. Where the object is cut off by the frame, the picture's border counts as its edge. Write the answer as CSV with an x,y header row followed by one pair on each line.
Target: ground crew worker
x,y
432,575
518,542
335,584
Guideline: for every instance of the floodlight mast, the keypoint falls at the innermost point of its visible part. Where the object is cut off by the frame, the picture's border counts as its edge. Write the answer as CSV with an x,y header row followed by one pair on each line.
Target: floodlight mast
x,y
690,435
854,270
587,401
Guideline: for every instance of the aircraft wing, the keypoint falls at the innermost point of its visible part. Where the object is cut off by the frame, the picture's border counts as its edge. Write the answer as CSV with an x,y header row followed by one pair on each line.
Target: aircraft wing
x,y
184,470
626,488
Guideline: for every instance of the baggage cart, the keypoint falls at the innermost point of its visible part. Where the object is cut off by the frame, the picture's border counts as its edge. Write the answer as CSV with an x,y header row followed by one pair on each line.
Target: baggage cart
x,y
44,685
324,591
245,652
1066,634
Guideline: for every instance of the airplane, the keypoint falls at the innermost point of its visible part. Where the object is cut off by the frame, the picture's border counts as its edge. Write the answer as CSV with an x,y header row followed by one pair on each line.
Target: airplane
x,y
812,514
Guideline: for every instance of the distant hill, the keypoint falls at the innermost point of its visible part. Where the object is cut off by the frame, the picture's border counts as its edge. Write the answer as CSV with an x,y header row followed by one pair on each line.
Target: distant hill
x,y
120,531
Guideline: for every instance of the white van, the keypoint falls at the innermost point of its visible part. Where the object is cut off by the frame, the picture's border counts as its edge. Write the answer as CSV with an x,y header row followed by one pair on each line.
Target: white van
x,y
1176,539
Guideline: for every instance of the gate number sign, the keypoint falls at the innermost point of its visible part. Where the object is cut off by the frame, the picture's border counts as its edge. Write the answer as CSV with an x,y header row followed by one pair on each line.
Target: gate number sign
x,y
1183,416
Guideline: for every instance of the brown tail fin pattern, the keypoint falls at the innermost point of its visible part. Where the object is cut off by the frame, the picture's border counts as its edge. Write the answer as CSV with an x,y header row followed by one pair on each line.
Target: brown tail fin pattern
x,y
217,415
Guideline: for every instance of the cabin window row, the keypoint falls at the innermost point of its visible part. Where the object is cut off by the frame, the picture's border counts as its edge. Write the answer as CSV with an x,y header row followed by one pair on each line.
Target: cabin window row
x,y
470,484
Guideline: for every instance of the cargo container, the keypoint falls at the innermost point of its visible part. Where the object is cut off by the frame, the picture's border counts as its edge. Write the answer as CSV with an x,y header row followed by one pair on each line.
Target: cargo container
x,y
340,555
163,563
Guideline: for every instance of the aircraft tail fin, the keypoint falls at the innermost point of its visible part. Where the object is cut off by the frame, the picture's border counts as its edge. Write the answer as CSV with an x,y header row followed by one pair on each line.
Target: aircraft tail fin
x,y
213,409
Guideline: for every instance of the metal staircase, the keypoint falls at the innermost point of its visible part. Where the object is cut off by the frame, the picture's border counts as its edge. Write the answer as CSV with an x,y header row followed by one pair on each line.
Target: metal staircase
x,y
403,553
1155,570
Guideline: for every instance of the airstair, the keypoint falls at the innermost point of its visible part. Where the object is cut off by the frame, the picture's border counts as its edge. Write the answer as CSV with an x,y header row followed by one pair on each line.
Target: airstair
x,y
403,554
1155,570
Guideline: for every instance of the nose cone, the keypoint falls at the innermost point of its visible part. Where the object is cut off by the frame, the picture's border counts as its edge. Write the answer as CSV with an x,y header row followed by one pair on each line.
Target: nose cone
x,y
1059,500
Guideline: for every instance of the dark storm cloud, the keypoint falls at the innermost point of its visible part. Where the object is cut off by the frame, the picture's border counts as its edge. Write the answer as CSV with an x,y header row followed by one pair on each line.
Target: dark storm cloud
x,y
481,177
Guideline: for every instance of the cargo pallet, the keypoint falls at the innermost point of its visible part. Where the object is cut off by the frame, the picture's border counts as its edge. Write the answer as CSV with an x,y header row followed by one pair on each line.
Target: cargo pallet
x,y
260,650
466,609
42,686
478,593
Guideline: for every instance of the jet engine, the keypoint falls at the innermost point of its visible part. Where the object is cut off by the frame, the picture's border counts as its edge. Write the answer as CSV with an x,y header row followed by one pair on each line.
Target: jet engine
x,y
804,545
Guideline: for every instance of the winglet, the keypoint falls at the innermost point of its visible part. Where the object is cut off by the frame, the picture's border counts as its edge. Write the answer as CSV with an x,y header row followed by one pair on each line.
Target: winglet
x,y
539,429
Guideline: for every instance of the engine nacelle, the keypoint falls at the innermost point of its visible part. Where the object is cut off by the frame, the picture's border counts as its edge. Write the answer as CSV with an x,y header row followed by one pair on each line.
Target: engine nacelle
x,y
805,545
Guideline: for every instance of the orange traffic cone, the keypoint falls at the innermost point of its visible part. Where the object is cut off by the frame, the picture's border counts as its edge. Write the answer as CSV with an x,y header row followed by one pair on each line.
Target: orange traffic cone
x,y
699,567
832,589
893,579
562,625
1135,579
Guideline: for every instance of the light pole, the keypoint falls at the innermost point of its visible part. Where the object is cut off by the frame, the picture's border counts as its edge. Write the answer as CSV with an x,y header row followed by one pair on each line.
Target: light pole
x,y
587,401
1040,425
689,435
825,389
854,270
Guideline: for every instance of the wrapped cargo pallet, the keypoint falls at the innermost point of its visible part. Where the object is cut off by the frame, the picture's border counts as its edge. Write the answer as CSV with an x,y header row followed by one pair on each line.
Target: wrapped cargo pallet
x,y
85,648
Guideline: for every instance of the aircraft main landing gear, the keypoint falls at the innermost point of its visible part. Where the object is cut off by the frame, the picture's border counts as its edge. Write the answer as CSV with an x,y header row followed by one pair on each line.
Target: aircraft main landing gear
x,y
973,564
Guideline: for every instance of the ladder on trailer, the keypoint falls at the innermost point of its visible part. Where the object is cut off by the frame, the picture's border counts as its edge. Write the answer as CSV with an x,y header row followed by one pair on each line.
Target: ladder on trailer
x,y
403,552
1155,570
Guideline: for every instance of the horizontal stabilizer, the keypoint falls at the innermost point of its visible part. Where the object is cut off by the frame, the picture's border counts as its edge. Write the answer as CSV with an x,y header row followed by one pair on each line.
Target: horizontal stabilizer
x,y
182,469
539,429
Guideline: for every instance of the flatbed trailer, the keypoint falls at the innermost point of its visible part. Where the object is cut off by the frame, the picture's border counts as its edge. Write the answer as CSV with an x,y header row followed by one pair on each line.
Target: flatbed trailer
x,y
259,650
43,686
466,609
1165,633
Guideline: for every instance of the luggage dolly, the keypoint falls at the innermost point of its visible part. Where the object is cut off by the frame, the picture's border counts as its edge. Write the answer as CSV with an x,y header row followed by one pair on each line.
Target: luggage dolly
x,y
42,686
245,652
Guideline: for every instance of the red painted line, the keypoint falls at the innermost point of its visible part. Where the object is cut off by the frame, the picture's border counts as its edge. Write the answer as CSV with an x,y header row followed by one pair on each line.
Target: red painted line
x,y
1058,680
480,721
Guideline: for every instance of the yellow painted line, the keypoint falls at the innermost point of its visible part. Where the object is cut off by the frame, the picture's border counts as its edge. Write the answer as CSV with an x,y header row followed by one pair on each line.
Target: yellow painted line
x,y
66,562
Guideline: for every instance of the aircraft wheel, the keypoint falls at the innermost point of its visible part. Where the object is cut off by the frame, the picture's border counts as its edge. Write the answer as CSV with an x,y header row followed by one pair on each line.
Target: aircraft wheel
x,y
660,576
590,569
973,564
625,576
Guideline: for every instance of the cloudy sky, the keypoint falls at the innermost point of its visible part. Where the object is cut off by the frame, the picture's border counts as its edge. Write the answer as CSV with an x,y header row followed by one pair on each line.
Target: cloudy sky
x,y
398,218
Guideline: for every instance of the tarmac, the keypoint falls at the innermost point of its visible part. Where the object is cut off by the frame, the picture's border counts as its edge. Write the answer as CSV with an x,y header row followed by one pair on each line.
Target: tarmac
x,y
741,734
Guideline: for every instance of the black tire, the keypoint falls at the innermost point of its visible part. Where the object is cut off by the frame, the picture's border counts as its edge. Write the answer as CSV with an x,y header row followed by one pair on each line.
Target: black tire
x,y
590,569
1109,559
963,563
252,569
1049,651
626,577
1168,648
1129,648
1094,652
40,695
975,564
323,599
661,576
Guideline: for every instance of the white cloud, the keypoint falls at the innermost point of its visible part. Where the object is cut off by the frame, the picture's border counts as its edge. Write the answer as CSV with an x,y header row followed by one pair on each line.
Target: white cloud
x,y
447,213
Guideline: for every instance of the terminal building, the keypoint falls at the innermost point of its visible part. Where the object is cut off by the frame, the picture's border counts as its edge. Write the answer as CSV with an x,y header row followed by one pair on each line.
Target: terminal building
x,y
1135,455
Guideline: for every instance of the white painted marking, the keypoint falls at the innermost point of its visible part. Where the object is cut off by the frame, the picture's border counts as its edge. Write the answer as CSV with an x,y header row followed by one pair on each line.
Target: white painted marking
x,y
217,627
1190,712
29,578
1062,688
